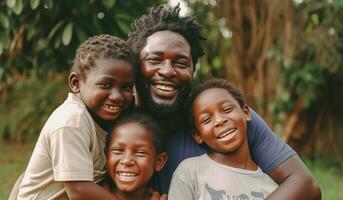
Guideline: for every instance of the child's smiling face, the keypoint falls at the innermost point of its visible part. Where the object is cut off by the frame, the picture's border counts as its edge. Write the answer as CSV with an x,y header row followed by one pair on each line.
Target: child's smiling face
x,y
220,121
108,87
132,157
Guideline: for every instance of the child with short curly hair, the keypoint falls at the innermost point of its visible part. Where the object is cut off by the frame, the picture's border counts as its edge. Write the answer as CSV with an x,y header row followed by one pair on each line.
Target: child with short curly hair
x,y
69,159
219,118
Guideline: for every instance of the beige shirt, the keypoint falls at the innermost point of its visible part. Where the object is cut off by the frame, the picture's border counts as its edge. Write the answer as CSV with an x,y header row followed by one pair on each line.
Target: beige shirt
x,y
70,148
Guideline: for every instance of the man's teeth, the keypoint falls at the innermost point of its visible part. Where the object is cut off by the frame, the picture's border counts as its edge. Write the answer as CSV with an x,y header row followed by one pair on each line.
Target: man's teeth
x,y
164,87
110,107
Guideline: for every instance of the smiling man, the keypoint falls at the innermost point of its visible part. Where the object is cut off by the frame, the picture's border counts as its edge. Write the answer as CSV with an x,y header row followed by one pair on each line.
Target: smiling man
x,y
168,47
166,69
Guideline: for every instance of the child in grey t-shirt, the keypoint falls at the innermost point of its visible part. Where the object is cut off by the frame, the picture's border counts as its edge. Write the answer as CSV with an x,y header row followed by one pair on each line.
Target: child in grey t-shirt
x,y
219,119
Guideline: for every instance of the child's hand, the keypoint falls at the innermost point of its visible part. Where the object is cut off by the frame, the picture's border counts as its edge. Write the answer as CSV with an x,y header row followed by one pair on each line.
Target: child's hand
x,y
157,196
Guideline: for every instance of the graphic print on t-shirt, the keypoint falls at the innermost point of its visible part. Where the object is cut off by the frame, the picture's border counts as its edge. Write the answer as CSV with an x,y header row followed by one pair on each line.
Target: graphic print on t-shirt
x,y
218,194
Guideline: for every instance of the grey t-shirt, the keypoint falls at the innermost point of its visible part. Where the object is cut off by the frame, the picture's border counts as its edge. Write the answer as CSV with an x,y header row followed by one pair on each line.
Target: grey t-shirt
x,y
266,149
201,178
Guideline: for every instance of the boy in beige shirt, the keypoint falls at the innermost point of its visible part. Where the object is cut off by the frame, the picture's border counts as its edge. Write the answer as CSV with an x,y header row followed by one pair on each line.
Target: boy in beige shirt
x,y
69,159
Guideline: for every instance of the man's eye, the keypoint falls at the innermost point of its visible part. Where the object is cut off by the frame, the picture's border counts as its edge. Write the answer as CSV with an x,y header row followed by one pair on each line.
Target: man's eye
x,y
182,64
154,60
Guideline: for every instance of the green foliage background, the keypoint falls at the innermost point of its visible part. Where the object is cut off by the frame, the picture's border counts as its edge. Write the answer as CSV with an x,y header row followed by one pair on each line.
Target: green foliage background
x,y
38,39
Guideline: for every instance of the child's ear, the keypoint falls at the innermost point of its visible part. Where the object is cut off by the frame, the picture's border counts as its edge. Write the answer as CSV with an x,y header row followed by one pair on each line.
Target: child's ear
x,y
74,82
197,137
161,161
247,114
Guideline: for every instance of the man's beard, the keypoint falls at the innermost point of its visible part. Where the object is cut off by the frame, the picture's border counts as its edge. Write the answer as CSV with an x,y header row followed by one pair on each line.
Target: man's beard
x,y
161,110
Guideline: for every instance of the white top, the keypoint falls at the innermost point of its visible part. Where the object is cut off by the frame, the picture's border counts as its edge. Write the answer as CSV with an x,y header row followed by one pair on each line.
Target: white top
x,y
203,178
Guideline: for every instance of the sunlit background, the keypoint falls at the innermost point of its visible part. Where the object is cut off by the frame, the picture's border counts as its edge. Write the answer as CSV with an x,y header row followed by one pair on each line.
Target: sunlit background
x,y
285,55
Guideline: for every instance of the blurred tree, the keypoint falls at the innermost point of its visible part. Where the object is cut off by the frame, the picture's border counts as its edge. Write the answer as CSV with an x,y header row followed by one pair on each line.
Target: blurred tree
x,y
38,39
285,55
45,33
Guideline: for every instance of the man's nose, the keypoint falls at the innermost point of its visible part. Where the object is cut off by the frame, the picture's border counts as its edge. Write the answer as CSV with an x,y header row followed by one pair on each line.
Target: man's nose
x,y
166,69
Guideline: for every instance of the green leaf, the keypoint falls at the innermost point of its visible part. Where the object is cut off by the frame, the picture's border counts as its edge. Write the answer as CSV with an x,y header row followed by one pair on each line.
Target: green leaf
x,y
34,4
55,29
81,35
48,4
57,42
10,3
18,7
1,50
4,20
109,3
67,34
123,22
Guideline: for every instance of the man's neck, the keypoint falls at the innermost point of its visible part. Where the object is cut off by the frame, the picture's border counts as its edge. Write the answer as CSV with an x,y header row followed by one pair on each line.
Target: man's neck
x,y
171,122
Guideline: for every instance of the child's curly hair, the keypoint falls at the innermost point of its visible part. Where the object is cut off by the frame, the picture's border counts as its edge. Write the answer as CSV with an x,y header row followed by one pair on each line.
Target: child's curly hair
x,y
100,46
162,18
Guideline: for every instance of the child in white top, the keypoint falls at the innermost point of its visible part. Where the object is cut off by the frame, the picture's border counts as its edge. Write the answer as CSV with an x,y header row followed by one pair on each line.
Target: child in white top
x,y
219,118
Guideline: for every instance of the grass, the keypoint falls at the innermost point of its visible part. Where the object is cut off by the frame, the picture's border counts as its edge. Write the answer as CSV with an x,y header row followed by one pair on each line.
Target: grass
x,y
329,174
13,160
14,157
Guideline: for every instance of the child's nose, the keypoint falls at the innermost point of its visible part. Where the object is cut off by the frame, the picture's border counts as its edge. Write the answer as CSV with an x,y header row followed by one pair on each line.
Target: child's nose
x,y
116,95
127,159
219,120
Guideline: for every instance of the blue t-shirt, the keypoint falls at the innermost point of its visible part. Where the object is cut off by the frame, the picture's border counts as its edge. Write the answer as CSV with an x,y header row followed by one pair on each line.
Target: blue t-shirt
x,y
266,149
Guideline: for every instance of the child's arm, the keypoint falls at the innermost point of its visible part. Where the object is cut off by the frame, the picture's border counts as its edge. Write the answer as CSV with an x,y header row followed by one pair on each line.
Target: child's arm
x,y
85,190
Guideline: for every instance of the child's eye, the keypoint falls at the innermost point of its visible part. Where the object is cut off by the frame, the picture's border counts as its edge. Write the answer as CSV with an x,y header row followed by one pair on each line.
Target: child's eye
x,y
227,109
116,151
128,87
205,120
105,85
141,153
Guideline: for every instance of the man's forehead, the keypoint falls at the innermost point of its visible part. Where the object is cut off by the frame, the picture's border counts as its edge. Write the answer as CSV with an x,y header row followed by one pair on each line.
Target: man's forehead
x,y
166,39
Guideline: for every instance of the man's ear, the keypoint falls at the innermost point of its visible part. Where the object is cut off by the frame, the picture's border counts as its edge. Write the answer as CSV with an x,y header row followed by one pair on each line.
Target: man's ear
x,y
247,114
196,136
161,161
74,82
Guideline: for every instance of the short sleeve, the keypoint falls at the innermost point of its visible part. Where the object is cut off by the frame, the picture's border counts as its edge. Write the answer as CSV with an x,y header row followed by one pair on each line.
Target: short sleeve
x,y
70,155
266,148
180,185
